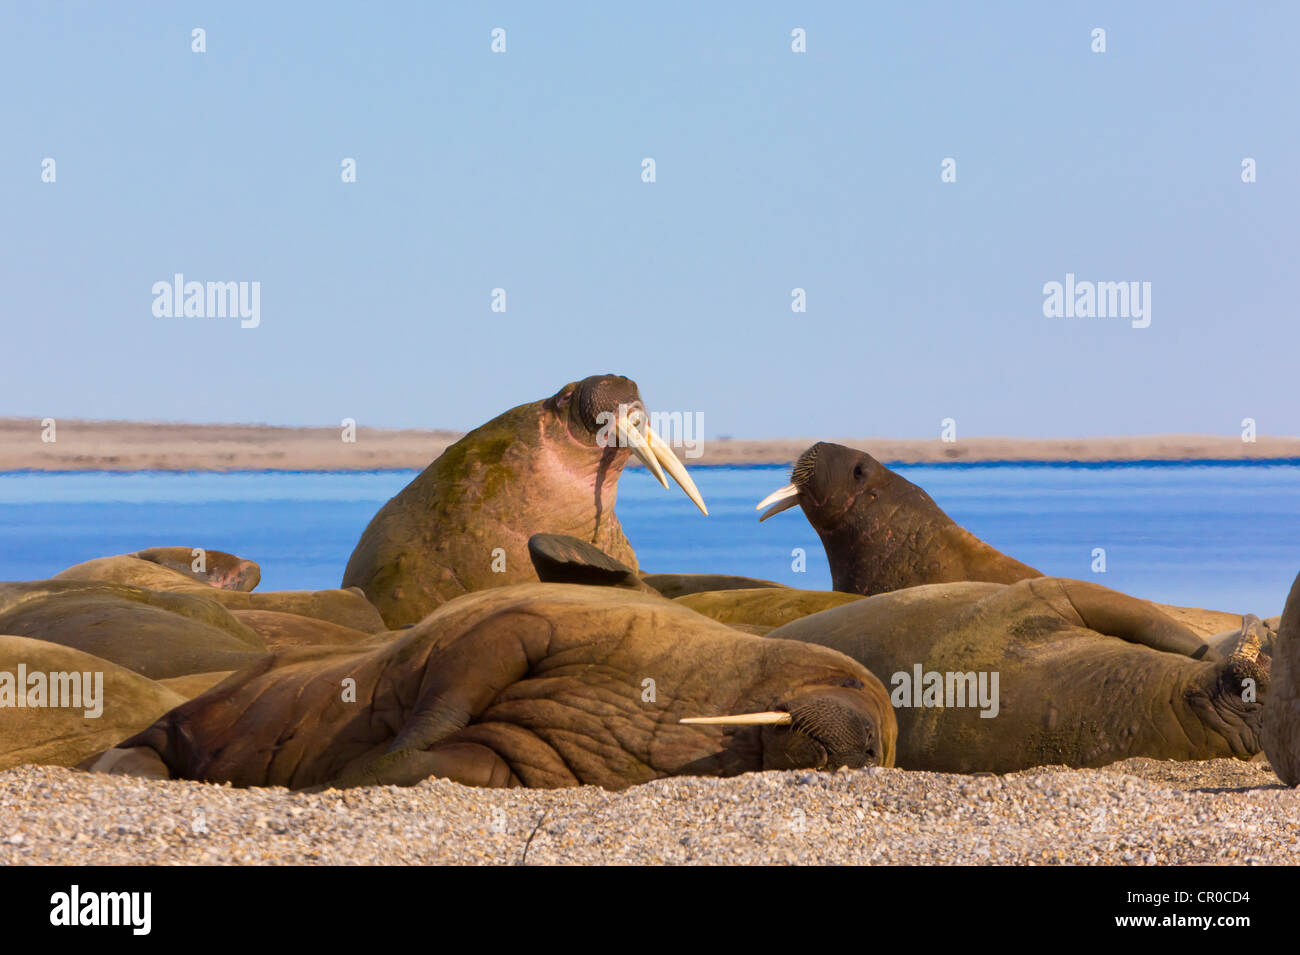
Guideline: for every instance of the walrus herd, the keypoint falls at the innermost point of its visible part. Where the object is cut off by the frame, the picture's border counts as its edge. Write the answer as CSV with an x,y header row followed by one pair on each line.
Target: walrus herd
x,y
493,627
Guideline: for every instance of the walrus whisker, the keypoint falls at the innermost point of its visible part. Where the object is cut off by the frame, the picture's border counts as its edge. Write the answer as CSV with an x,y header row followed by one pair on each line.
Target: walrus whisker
x,y
768,718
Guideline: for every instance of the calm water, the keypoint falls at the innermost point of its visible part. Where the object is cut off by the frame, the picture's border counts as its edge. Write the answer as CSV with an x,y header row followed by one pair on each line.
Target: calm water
x,y
1224,536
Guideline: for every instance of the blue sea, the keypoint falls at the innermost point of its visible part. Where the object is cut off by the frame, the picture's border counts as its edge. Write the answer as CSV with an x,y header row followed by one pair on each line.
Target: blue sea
x,y
1213,535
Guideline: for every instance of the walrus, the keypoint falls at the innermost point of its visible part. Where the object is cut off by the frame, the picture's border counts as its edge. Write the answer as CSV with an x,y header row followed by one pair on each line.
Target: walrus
x,y
1074,674
1282,715
74,704
881,533
165,565
539,685
547,466
346,608
155,633
215,568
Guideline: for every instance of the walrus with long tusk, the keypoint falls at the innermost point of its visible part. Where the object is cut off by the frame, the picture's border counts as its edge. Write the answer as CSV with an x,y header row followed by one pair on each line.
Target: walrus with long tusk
x,y
548,466
540,685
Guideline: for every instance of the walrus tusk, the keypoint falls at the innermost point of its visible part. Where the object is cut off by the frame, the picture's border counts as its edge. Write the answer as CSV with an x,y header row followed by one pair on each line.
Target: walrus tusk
x,y
783,500
770,718
630,436
674,467
1248,645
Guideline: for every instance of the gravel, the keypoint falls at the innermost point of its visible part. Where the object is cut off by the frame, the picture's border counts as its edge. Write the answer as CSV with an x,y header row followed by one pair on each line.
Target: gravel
x,y
1139,812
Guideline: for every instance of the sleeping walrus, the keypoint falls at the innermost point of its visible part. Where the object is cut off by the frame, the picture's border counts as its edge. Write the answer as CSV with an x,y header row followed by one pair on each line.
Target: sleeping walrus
x,y
155,633
464,522
540,685
996,678
346,608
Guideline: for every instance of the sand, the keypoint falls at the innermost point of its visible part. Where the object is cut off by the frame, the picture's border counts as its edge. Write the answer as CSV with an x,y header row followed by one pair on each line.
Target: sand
x,y
1139,812
134,446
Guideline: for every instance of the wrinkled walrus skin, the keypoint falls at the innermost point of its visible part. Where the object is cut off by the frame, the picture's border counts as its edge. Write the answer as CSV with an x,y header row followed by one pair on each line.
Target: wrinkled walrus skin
x,y
540,685
1282,715
540,467
1081,681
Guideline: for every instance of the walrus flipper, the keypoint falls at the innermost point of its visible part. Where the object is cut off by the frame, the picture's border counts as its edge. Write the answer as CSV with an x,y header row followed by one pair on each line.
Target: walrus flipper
x,y
462,679
1232,700
1128,618
1222,645
562,559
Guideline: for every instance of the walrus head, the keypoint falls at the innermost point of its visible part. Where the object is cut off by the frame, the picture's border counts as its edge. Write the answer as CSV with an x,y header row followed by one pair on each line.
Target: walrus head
x,y
881,532
219,569
834,484
821,727
607,411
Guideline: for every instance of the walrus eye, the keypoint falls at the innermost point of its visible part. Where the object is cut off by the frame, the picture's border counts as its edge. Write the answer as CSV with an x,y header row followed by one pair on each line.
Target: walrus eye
x,y
859,472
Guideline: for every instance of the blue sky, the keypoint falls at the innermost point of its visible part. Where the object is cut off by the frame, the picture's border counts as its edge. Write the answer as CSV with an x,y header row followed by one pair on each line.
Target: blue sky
x,y
775,170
